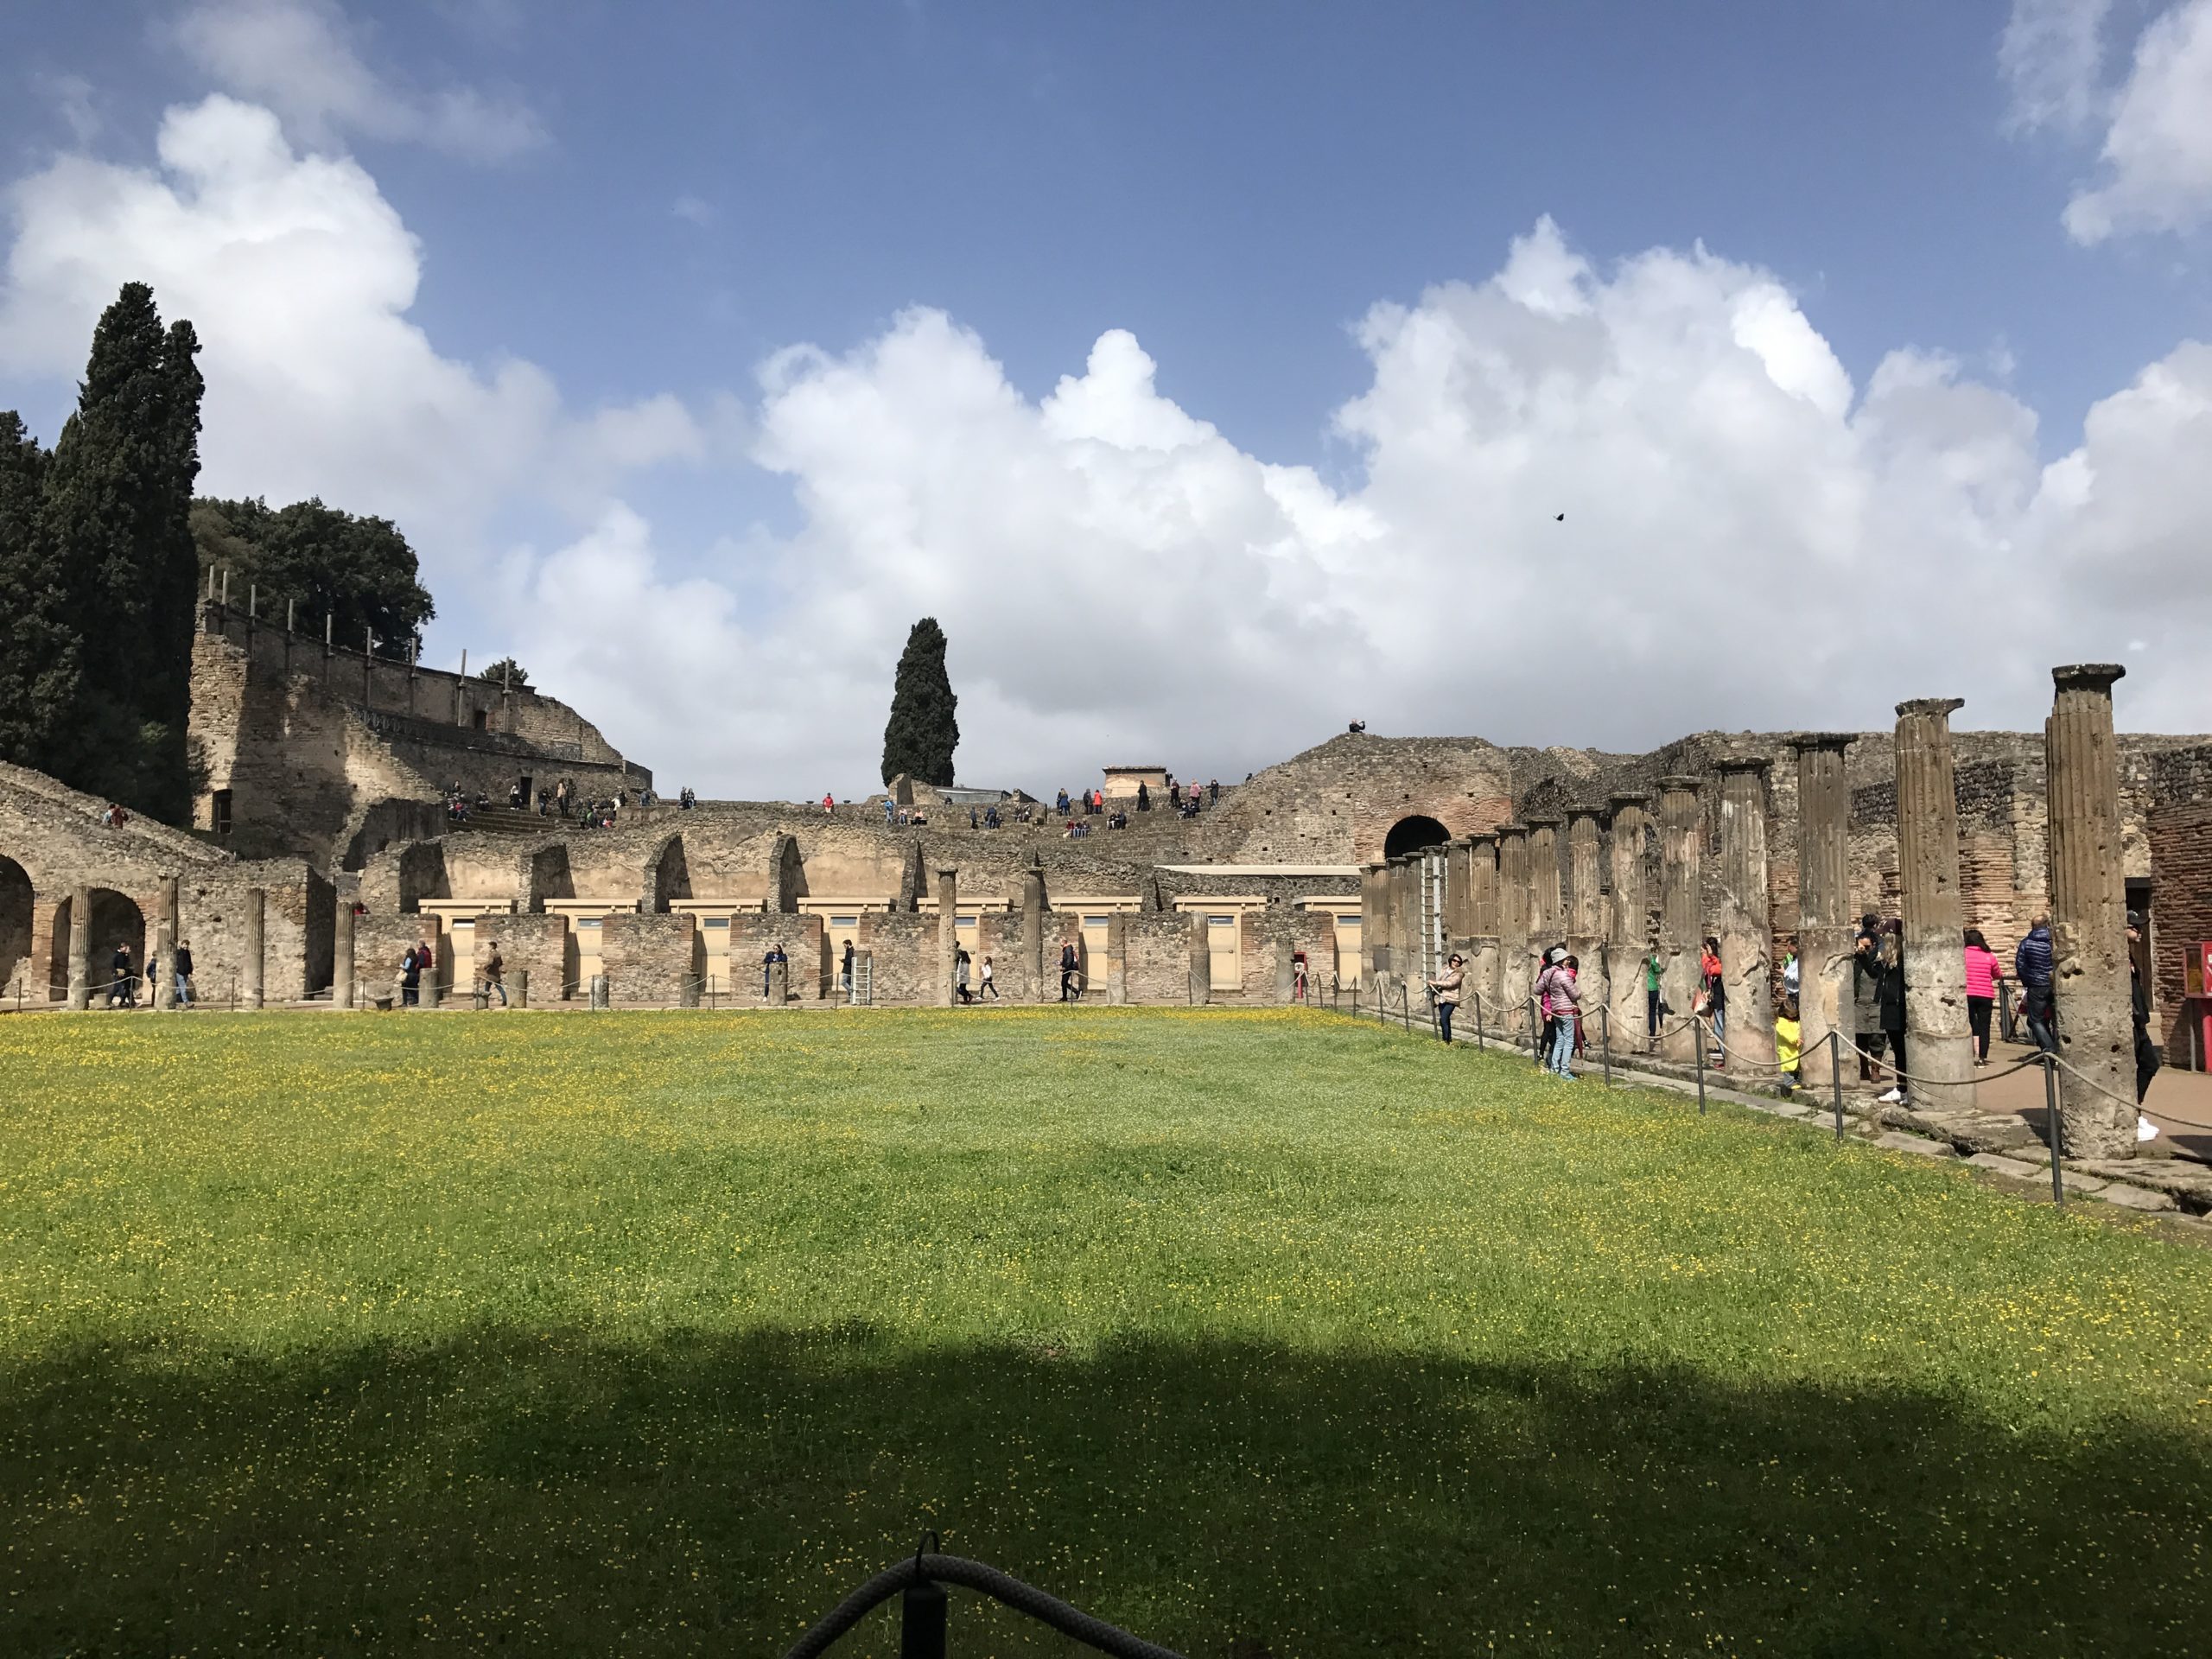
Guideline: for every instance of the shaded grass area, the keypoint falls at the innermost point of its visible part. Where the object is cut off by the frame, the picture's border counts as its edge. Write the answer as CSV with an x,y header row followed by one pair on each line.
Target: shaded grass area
x,y
654,1334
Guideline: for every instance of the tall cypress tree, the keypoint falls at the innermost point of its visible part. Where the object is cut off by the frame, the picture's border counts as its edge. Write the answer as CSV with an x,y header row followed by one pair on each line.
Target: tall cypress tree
x,y
922,732
117,513
39,648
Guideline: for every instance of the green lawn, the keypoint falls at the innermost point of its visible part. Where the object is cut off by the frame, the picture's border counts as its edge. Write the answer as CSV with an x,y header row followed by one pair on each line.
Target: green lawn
x,y
1259,1333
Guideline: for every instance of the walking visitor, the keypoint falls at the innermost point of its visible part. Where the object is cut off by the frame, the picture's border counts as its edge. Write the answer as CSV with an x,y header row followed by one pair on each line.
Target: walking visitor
x,y
1068,966
1652,1006
183,969
1892,1001
1982,991
1712,994
495,976
2033,964
1867,996
989,985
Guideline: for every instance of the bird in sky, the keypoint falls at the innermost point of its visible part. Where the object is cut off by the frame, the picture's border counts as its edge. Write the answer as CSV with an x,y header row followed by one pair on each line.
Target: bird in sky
x,y
1559,519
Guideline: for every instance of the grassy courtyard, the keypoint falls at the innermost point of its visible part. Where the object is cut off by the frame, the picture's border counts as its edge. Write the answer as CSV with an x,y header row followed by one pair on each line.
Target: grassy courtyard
x,y
1262,1334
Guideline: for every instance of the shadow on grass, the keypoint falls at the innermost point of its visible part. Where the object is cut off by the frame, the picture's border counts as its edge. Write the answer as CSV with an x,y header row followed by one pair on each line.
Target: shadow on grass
x,y
542,1493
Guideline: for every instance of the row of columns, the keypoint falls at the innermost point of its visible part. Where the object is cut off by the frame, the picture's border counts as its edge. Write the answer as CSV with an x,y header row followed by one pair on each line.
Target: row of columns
x,y
1506,904
159,964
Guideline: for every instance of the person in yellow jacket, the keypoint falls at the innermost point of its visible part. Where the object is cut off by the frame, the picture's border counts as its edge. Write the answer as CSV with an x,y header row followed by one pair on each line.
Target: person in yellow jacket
x,y
1788,1042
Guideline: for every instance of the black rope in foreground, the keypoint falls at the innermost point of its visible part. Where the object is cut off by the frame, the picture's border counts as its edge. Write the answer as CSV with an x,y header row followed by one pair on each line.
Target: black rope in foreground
x,y
925,1568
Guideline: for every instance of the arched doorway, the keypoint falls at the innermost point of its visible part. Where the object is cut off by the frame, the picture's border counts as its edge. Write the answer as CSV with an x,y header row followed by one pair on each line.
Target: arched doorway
x,y
1411,835
15,898
117,920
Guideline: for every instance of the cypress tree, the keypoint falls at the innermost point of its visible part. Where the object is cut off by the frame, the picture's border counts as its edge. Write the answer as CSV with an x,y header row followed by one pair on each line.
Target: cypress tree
x,y
117,512
39,649
922,732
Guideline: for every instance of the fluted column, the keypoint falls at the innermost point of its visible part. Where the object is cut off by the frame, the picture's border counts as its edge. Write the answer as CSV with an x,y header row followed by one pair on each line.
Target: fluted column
x,y
1459,894
1939,1045
1746,927
1405,922
2088,916
80,949
1824,931
1515,972
1484,969
1681,866
162,967
1032,988
948,932
1629,918
251,955
341,953
1547,921
1374,923
1585,912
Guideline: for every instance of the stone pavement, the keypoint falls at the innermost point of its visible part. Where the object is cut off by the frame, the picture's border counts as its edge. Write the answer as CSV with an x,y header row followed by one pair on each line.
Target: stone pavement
x,y
2180,1102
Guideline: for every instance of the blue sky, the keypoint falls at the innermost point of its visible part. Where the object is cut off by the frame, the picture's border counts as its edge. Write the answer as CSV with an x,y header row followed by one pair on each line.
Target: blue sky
x,y
644,205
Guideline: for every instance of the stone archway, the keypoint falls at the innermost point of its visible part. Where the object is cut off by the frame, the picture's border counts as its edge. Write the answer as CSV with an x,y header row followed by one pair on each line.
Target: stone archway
x,y
116,920
16,898
1410,835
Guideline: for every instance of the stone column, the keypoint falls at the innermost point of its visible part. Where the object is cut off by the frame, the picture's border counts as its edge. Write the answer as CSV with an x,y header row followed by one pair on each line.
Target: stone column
x,y
1032,934
777,984
342,954
80,949
1458,894
250,948
1483,967
1585,916
1745,926
1939,1045
1201,961
1629,918
2088,916
164,966
1547,923
1825,938
1374,923
1681,868
948,932
1117,959
1517,973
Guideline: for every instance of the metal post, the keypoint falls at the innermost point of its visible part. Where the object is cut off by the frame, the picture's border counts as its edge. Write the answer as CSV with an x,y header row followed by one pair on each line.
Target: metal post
x,y
921,1621
1835,1076
1700,1024
2057,1129
1605,1040
1479,1022
1536,1034
1406,1005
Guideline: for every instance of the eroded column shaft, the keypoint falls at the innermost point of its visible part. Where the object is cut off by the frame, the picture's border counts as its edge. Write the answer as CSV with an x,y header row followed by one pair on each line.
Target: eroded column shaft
x,y
948,933
1681,868
1939,1045
2088,917
1745,928
1628,918
1517,973
1824,931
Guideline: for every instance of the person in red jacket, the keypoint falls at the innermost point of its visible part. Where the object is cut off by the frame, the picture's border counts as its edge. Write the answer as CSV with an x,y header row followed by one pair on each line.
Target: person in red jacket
x,y
1982,968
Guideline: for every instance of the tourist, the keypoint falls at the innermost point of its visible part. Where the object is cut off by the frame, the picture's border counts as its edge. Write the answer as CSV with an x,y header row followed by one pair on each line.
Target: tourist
x,y
1298,972
1446,990
1194,797
1892,1000
1982,991
1144,797
1867,996
1712,993
121,989
990,986
1574,966
411,979
1788,1042
1789,974
960,976
1213,792
1060,804
890,811
768,965
845,972
2033,963
2146,1052
1068,966
1560,1001
975,819
1653,968
829,804
182,968
495,976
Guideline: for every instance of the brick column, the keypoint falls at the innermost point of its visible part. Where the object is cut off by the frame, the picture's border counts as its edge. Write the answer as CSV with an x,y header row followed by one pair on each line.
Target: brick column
x,y
341,953
80,949
2088,916
1824,931
1681,860
1483,967
1744,927
1517,974
162,968
1374,923
948,932
1033,936
249,947
1547,923
1629,920
1939,1045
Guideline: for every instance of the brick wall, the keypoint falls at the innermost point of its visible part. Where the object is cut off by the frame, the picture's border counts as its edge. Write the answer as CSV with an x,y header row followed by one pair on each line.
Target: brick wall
x,y
905,961
2180,918
811,972
537,944
380,939
651,960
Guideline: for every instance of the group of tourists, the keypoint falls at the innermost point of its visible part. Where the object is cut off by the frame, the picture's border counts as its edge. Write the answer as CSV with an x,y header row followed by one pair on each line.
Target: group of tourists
x,y
124,978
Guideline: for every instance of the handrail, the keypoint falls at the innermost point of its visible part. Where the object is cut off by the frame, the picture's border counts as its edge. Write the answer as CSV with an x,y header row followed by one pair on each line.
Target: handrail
x,y
919,1575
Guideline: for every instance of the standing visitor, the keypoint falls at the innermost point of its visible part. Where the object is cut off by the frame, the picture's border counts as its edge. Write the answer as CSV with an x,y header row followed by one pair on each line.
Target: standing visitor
x,y
1213,792
1712,990
1788,1042
1892,998
2146,1052
1446,989
1867,996
1653,967
1574,966
845,971
184,973
1982,991
1560,1000
960,976
1144,797
411,979
1789,973
122,991
2032,963
1068,965
495,976
989,987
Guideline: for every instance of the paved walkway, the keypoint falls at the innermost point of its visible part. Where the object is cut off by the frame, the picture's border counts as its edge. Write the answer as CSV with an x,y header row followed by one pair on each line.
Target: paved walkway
x,y
2180,1102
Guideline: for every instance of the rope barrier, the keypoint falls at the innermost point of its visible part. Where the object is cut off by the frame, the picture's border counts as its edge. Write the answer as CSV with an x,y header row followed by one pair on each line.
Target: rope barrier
x,y
923,1568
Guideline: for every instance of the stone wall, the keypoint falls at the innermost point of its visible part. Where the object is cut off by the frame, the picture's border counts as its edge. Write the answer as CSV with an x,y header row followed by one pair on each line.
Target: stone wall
x,y
380,939
652,960
811,973
2180,842
538,946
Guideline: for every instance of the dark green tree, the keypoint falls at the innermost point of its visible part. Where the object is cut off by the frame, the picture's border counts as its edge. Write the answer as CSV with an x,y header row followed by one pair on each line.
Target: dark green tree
x,y
359,573
922,732
506,672
39,649
117,512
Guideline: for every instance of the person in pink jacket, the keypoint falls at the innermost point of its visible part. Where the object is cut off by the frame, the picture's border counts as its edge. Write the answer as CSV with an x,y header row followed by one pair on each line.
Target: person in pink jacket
x,y
1982,991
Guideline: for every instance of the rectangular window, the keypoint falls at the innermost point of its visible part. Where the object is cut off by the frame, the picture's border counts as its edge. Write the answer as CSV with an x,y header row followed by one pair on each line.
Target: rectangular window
x,y
483,720
1221,921
1095,921
844,921
722,922
587,921
963,921
220,818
